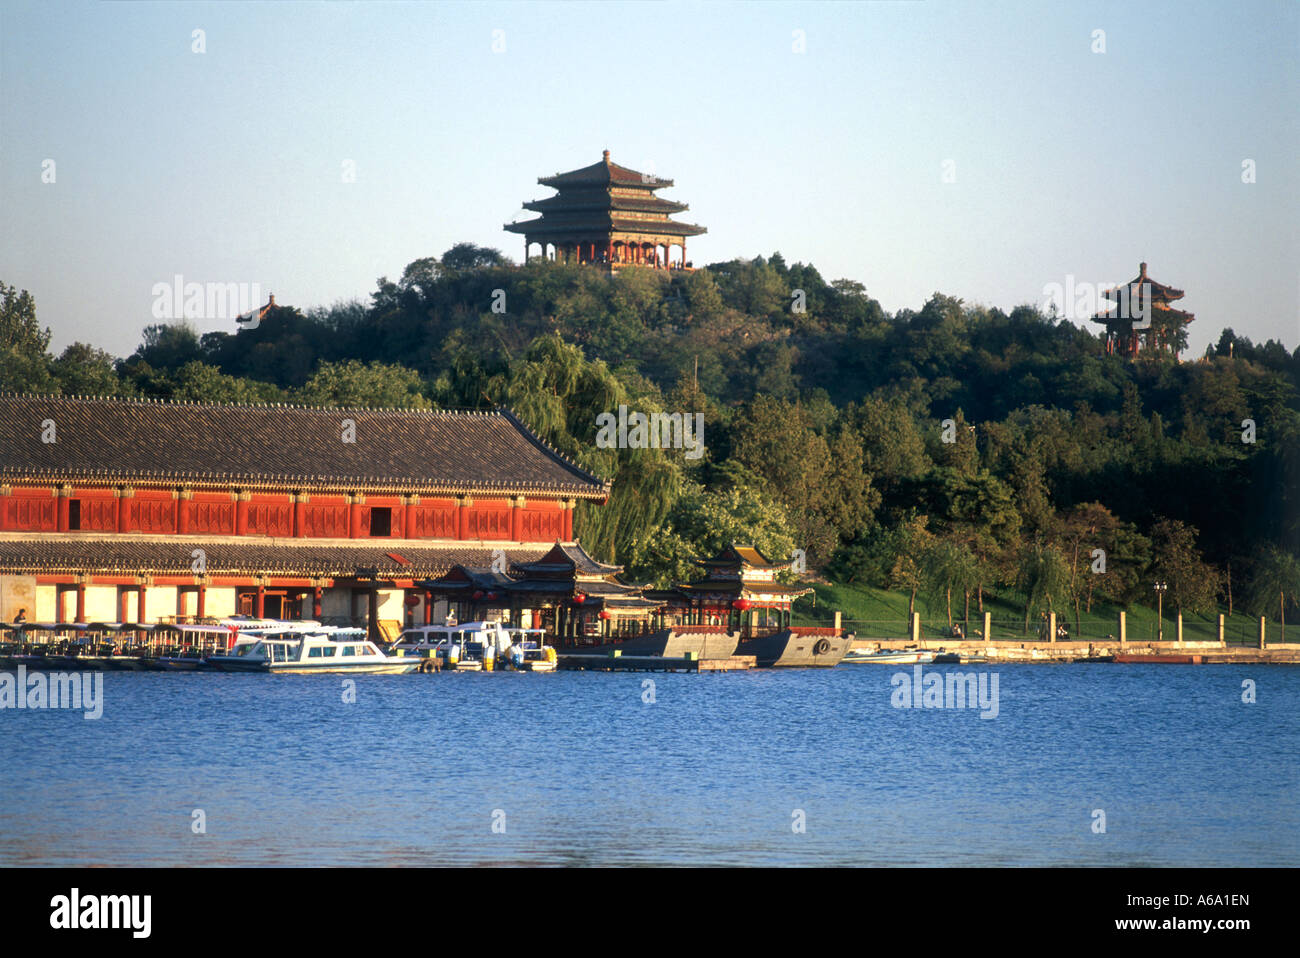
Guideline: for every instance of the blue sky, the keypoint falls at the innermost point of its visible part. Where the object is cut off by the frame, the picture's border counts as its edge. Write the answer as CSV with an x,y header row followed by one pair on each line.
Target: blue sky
x,y
226,166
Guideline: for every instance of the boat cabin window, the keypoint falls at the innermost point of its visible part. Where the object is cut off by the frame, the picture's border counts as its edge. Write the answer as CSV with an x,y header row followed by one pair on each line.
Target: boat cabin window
x,y
320,652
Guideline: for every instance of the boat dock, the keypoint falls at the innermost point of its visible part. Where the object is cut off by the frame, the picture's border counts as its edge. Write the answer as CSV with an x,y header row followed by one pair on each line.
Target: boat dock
x,y
615,661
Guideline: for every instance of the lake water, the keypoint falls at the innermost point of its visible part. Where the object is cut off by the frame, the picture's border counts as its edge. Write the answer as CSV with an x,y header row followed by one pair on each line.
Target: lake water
x,y
576,769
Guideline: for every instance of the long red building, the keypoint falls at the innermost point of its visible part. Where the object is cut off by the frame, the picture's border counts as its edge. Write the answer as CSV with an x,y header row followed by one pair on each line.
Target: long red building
x,y
141,511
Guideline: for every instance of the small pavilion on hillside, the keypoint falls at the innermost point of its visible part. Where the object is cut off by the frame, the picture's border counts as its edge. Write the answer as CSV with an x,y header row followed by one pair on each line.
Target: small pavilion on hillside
x,y
1127,332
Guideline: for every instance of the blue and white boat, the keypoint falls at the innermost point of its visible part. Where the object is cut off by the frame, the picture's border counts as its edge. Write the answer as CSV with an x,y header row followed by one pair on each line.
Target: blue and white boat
x,y
335,650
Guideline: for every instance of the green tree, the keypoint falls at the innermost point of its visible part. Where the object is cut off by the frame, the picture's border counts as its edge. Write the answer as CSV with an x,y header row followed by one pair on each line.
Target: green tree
x,y
1193,583
199,382
702,522
909,542
84,370
1043,577
357,384
469,256
24,364
948,566
1275,583
169,345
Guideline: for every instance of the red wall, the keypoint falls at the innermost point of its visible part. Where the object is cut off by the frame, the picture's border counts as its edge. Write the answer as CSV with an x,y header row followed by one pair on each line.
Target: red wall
x,y
31,510
151,510
541,522
156,511
489,519
211,514
98,510
270,515
435,519
325,517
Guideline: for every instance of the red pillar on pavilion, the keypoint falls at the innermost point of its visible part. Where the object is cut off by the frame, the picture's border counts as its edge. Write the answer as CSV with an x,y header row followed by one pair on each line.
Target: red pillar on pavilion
x,y
241,512
411,503
354,515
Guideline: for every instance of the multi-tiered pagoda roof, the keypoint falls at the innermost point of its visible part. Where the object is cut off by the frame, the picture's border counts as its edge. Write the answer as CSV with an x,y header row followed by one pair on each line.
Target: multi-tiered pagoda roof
x,y
1127,329
608,215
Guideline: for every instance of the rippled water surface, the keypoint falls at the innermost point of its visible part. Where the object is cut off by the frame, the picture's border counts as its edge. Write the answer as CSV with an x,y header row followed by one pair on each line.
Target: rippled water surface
x,y
578,769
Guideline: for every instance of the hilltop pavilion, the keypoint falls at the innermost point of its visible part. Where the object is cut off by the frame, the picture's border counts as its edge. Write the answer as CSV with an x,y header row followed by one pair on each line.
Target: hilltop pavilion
x,y
1166,328
608,215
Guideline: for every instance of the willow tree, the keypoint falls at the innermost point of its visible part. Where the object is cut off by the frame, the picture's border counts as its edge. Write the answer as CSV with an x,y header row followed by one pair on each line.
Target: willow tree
x,y
559,395
949,565
1043,577
1276,579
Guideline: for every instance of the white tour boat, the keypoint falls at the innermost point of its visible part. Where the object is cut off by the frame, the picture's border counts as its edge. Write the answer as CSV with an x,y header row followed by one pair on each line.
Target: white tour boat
x,y
324,650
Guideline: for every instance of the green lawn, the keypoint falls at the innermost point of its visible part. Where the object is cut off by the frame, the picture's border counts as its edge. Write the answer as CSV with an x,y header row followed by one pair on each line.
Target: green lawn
x,y
873,612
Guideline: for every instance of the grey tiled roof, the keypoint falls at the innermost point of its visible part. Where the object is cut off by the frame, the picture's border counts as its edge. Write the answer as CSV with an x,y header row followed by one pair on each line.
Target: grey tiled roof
x,y
285,446
137,555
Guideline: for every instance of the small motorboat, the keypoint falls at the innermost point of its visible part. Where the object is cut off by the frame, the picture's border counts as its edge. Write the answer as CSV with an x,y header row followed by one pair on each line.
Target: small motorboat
x,y
528,651
888,657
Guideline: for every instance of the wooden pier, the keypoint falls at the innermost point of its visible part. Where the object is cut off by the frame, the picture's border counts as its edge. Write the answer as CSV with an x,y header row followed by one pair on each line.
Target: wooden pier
x,y
617,662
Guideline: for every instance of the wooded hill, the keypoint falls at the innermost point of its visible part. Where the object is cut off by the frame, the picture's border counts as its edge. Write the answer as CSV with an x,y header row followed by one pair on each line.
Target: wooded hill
x,y
824,428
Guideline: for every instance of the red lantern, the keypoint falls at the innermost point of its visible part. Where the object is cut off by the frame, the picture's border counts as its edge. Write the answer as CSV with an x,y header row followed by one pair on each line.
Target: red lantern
x,y
741,604
604,613
491,595
478,594
412,601
579,597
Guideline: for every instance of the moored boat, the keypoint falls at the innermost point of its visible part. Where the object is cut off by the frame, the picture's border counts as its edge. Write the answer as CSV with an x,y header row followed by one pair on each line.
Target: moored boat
x,y
797,648
467,647
888,657
528,651
704,642
304,652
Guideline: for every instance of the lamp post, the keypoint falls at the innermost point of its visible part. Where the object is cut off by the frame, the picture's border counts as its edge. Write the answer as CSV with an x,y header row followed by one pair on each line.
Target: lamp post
x,y
1160,588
